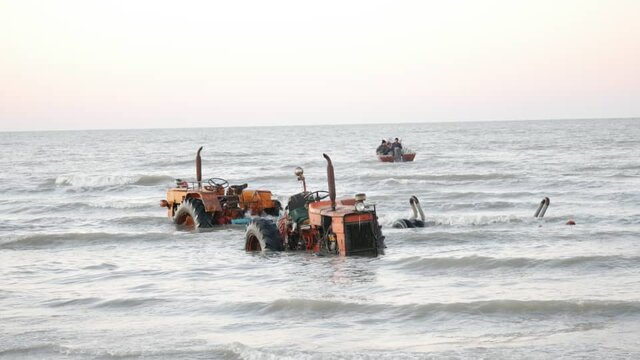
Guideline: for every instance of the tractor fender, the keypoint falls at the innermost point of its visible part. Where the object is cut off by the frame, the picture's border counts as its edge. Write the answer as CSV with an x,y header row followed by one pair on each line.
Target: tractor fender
x,y
209,199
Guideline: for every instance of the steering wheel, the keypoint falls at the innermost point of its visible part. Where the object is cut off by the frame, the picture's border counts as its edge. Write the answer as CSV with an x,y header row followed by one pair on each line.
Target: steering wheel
x,y
218,182
316,196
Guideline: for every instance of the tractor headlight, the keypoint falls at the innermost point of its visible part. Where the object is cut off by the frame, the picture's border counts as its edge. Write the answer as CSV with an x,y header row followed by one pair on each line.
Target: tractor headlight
x,y
360,198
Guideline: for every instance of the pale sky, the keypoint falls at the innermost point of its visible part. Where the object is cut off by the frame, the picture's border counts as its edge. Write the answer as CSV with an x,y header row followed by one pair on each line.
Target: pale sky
x,y
151,64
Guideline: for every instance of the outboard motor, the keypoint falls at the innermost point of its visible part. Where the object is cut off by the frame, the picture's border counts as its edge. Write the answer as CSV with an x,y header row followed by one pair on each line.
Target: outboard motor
x,y
397,154
414,221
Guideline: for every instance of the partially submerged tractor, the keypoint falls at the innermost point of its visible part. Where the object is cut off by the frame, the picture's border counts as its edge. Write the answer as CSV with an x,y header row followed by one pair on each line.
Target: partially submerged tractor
x,y
310,222
214,202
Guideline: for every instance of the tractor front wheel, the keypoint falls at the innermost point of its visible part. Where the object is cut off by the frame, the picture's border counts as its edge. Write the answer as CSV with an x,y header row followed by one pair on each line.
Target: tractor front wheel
x,y
262,234
191,213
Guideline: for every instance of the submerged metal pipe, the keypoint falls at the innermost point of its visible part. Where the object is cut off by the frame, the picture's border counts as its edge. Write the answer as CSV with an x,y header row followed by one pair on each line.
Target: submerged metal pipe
x,y
199,168
547,202
416,221
414,211
332,181
539,208
415,205
542,208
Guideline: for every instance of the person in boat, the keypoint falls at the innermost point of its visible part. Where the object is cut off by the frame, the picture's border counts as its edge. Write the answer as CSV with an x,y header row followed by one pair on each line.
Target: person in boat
x,y
383,149
396,150
396,144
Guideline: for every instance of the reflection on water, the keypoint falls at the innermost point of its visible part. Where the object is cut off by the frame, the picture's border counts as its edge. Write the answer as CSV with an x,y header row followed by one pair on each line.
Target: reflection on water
x,y
348,271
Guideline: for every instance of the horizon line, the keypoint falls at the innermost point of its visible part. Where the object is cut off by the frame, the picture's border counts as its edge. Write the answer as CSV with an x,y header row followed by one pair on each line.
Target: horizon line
x,y
326,124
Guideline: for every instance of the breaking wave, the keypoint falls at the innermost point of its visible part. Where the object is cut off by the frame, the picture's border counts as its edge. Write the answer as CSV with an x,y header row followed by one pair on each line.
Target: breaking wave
x,y
456,220
128,303
490,263
36,241
328,308
229,351
74,206
112,180
407,179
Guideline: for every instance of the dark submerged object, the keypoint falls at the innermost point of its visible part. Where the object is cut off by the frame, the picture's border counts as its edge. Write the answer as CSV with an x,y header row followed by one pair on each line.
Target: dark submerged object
x,y
542,208
414,221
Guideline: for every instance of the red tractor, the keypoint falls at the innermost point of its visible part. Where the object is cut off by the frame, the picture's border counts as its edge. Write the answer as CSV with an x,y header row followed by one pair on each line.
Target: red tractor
x,y
216,202
345,227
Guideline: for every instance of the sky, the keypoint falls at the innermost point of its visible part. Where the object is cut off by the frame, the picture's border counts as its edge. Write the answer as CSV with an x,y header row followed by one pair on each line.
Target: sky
x,y
156,64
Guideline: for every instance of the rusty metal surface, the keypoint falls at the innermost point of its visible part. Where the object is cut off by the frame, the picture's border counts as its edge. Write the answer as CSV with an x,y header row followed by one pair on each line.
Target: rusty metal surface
x,y
199,168
332,181
210,201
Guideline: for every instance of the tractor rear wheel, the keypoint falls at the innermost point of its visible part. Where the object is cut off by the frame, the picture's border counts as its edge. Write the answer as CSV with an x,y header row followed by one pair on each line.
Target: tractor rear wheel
x,y
191,213
403,224
262,234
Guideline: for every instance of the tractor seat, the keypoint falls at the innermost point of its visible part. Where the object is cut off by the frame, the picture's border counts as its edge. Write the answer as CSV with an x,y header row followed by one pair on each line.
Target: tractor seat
x,y
297,209
236,189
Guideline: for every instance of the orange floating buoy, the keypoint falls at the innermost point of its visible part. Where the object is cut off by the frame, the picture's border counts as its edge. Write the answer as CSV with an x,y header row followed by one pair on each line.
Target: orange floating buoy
x,y
571,222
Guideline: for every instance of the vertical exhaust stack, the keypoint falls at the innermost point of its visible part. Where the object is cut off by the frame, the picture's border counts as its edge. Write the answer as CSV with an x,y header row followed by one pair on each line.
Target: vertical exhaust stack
x,y
546,205
332,181
199,168
416,208
542,208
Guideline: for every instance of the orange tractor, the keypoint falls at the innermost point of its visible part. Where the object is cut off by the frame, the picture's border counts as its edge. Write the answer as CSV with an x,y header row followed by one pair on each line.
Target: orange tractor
x,y
216,202
346,226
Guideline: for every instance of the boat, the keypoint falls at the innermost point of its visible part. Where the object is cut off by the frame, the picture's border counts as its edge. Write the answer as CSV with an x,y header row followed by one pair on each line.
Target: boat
x,y
403,158
389,152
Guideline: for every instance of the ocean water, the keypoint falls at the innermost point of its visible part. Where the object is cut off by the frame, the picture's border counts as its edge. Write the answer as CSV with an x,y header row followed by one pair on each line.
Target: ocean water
x,y
91,267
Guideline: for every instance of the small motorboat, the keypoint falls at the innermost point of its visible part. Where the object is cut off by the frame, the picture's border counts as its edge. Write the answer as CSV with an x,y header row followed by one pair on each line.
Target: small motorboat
x,y
398,155
402,158
394,152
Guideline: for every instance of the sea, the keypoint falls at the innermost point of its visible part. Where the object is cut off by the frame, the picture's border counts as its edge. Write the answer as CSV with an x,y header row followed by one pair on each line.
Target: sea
x,y
91,267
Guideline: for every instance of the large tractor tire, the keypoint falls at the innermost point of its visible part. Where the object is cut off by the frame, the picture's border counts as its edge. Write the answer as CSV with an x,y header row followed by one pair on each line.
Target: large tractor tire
x,y
262,234
403,224
191,213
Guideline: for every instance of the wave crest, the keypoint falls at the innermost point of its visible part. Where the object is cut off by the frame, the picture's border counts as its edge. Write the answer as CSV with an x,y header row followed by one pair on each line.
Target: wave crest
x,y
38,241
111,180
490,263
328,308
457,220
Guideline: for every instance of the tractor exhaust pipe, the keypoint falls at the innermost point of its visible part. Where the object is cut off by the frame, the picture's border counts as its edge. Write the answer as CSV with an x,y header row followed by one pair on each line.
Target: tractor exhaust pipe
x,y
199,168
416,208
542,208
332,181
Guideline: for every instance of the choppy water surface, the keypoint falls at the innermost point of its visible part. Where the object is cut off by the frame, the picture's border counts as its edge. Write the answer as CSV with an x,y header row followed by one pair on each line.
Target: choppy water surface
x,y
90,267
